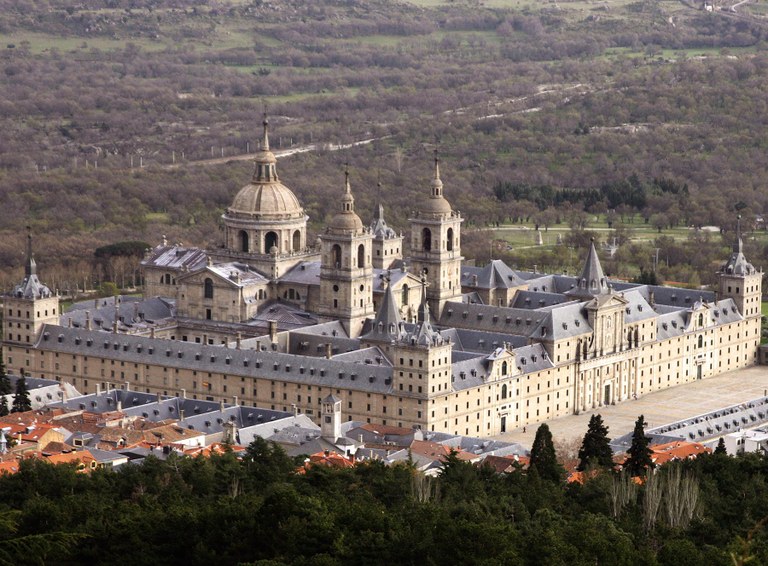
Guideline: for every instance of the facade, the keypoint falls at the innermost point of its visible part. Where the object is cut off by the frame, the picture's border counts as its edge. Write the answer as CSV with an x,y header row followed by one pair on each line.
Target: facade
x,y
269,321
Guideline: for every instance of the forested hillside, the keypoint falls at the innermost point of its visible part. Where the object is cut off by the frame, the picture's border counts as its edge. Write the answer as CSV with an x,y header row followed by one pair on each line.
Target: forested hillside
x,y
257,511
107,112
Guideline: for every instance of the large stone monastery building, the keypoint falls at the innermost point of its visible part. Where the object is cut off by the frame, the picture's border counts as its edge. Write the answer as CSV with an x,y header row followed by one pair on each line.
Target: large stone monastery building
x,y
272,320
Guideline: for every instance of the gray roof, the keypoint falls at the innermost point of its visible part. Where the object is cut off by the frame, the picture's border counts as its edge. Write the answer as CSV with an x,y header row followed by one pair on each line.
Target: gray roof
x,y
592,280
247,363
304,273
537,299
379,226
131,312
495,275
388,324
737,264
176,258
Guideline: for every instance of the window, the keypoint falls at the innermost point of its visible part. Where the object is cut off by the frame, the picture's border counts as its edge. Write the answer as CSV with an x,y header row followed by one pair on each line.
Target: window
x,y
426,240
296,241
449,243
270,241
208,288
336,256
244,244
361,256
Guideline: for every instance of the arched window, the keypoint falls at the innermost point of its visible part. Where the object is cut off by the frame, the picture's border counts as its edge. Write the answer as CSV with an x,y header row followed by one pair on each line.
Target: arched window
x,y
361,255
270,240
701,319
208,288
296,241
504,368
404,297
504,391
336,256
426,240
701,341
449,243
244,244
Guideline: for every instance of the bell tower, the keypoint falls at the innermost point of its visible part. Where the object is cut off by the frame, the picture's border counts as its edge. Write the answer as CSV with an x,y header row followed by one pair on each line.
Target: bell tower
x,y
436,246
346,271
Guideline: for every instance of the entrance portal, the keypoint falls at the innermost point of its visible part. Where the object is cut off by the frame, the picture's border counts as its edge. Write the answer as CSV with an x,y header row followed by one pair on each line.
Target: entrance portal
x,y
607,394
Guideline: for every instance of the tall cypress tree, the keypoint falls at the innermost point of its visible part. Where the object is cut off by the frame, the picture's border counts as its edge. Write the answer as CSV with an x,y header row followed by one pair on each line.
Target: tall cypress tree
x,y
720,448
21,400
543,456
595,449
5,387
639,453
5,383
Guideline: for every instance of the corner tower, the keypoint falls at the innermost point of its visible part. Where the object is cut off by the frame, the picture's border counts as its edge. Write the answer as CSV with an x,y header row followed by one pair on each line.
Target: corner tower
x,y
436,246
346,272
27,309
740,281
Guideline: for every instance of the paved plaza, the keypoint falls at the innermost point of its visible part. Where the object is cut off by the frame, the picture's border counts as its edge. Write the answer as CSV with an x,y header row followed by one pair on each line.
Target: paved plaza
x,y
660,407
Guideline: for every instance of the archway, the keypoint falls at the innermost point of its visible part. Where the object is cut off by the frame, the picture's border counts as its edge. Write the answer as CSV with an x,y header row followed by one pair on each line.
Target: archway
x,y
244,243
426,239
449,243
336,256
270,240
296,241
361,256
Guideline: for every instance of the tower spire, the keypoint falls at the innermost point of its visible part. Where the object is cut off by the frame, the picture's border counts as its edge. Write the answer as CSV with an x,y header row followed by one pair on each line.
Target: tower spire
x,y
437,183
265,136
739,245
30,267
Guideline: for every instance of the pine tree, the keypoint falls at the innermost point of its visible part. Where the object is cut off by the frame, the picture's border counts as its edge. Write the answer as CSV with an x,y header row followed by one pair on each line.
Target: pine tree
x,y
595,449
720,448
639,453
3,406
543,457
21,402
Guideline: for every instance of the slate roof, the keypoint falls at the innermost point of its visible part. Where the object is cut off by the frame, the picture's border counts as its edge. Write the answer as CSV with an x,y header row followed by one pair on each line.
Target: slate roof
x,y
176,258
249,363
495,275
131,312
388,324
592,280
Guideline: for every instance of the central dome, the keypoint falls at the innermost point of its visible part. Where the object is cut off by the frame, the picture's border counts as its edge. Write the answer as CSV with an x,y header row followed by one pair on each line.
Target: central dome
x,y
265,197
271,200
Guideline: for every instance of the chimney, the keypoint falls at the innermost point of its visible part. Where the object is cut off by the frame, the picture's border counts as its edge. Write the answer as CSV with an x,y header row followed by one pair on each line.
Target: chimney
x,y
158,397
183,393
152,332
239,340
273,331
69,323
98,388
127,385
234,400
181,414
205,338
87,320
119,404
221,405
295,409
328,350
